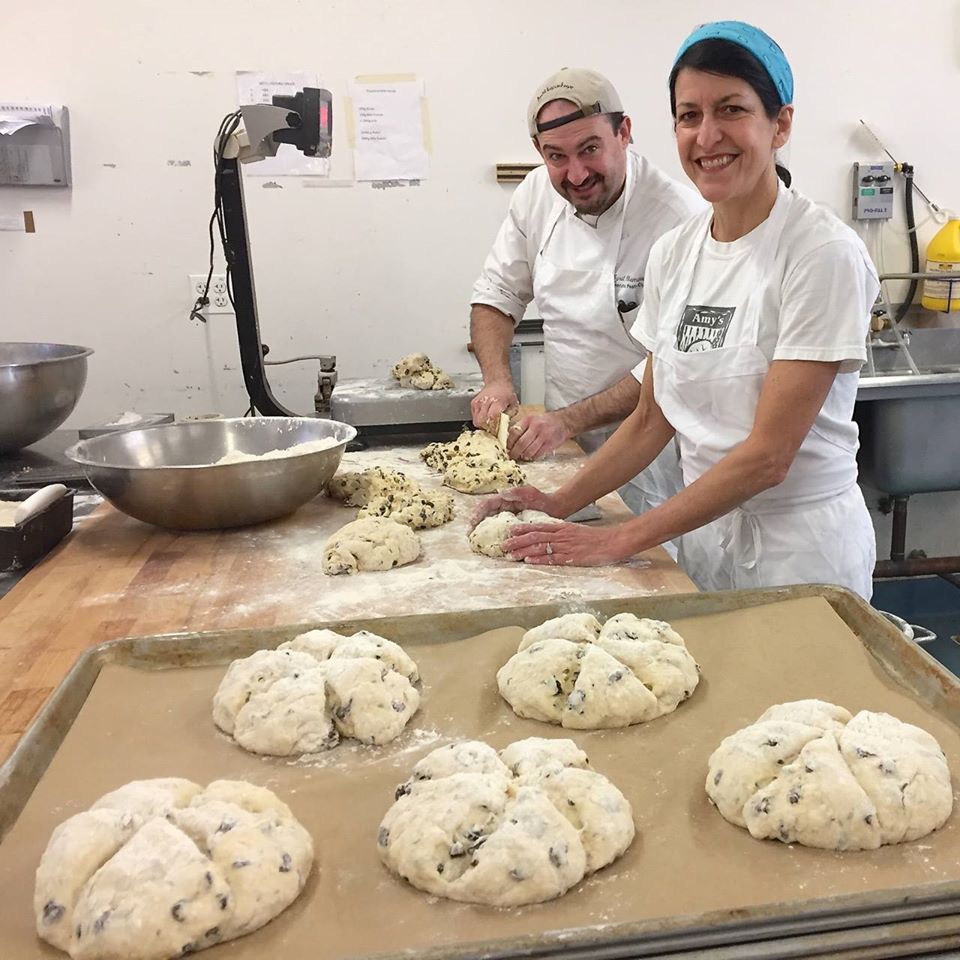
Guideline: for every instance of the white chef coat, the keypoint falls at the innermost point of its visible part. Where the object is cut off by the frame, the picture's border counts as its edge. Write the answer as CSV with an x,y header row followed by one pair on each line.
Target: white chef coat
x,y
798,287
586,274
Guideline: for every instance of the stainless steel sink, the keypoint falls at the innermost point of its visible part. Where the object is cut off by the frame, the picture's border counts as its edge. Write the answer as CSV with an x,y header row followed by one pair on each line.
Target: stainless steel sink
x,y
910,422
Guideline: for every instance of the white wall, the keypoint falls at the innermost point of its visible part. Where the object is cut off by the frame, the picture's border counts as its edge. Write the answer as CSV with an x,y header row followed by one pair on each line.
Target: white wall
x,y
370,274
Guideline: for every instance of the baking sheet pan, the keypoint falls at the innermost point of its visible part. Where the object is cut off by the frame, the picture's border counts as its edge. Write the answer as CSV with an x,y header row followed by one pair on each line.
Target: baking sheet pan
x,y
689,882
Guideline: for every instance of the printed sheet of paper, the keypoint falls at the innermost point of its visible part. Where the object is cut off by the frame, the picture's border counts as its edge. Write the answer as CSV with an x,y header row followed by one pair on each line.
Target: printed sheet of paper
x,y
16,116
388,130
256,87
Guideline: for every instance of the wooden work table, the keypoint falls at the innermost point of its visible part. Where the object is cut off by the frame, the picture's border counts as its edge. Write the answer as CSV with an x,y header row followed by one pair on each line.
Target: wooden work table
x,y
115,577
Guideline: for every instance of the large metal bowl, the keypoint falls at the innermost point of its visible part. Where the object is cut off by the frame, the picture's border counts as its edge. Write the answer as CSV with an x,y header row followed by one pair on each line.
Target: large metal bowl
x,y
168,475
40,384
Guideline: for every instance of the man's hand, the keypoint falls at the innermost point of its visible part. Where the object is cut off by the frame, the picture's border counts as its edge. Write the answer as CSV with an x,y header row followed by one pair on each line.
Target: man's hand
x,y
566,544
513,500
536,435
495,398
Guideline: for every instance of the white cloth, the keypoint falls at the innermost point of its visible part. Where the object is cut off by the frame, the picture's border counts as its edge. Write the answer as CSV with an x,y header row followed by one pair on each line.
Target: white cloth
x,y
798,287
587,278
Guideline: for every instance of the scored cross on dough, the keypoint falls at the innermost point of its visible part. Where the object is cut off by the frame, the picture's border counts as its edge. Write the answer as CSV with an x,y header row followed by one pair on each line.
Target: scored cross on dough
x,y
507,830
630,670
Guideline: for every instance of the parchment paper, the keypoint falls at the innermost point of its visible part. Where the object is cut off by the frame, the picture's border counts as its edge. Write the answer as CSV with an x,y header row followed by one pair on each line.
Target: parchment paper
x,y
686,859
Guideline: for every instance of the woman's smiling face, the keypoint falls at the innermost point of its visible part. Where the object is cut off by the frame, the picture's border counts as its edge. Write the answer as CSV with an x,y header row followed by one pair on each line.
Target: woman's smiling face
x,y
725,139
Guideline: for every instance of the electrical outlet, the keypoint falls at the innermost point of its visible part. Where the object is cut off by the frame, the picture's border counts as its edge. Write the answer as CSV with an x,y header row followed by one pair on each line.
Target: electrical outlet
x,y
217,294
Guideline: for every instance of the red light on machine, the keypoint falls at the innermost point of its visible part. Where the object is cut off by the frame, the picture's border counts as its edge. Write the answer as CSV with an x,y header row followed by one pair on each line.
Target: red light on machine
x,y
324,115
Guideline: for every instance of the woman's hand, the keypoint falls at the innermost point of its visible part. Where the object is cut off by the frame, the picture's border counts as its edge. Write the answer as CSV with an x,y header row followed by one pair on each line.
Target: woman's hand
x,y
567,544
513,500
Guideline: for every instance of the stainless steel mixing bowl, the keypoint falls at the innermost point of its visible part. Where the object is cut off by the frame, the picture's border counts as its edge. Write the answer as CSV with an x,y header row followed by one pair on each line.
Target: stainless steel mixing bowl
x,y
168,476
40,384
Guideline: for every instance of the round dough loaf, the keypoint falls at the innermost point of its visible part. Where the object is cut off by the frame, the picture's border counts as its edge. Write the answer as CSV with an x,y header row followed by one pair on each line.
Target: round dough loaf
x,y
357,489
470,826
629,671
417,510
418,371
488,535
476,462
808,773
312,690
374,543
162,868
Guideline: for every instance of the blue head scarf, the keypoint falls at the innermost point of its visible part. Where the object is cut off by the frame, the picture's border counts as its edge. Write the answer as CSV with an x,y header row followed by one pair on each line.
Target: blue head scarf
x,y
751,38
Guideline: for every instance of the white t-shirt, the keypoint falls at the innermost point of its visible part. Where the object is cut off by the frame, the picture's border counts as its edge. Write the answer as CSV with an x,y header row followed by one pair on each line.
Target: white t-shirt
x,y
657,204
815,304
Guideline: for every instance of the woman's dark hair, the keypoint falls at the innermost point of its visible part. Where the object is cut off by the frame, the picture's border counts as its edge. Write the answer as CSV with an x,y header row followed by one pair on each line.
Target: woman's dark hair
x,y
728,59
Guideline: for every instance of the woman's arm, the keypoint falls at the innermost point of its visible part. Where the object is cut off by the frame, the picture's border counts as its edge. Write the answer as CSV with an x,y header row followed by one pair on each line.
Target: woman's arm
x,y
632,448
793,393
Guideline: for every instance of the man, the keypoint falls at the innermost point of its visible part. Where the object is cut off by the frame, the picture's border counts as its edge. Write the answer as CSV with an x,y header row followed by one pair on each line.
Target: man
x,y
576,239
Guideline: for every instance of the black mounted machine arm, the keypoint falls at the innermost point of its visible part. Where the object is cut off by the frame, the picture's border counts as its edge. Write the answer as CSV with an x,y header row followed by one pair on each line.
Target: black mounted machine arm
x,y
304,120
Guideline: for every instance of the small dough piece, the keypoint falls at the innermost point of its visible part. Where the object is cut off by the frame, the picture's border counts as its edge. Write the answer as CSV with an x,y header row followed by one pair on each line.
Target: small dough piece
x,y
903,771
374,543
626,626
628,671
417,370
494,838
466,756
578,627
207,867
368,700
808,773
440,455
488,535
252,675
537,681
367,644
357,489
291,717
479,474
417,510
606,694
598,811
303,696
534,753
815,801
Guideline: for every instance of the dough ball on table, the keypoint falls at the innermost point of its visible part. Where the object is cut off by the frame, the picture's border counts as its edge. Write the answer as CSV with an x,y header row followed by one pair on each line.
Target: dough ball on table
x,y
579,627
357,489
488,535
600,677
315,689
492,837
440,455
417,510
526,756
808,773
374,543
418,371
113,883
476,473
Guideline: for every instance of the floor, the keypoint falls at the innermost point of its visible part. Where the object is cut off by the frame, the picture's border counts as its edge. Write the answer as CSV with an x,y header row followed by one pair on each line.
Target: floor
x,y
931,602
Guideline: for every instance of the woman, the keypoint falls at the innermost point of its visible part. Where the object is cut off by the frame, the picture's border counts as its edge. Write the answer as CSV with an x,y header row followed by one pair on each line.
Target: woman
x,y
755,315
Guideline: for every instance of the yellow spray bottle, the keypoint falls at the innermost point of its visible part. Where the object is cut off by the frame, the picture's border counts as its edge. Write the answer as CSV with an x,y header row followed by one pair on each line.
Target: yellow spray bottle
x,y
943,256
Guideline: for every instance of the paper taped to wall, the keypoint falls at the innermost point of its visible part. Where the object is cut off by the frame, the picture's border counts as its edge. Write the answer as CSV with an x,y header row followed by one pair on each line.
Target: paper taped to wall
x,y
389,142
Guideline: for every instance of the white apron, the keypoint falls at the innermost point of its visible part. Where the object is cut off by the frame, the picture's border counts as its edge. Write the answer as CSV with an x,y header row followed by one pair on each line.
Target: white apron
x,y
798,532
586,346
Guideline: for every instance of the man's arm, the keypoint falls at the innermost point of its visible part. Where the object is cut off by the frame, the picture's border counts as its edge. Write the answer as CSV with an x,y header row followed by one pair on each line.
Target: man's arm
x,y
539,434
491,332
